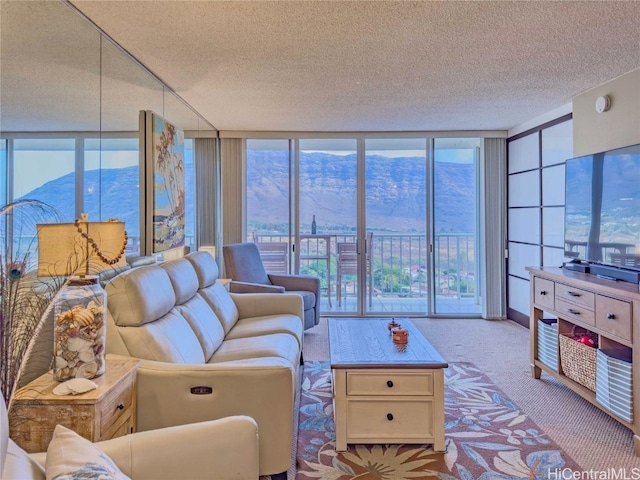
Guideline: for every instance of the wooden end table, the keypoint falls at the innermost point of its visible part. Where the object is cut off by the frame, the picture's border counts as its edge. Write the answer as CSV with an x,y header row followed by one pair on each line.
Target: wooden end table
x,y
384,392
106,412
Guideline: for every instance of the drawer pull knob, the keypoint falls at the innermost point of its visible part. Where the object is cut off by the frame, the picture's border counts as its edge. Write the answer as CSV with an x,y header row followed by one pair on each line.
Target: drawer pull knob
x,y
389,383
389,416
572,311
610,316
120,406
572,294
543,292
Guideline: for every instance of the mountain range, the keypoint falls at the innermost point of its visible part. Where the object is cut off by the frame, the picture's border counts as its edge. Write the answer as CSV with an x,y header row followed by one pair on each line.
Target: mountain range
x,y
396,193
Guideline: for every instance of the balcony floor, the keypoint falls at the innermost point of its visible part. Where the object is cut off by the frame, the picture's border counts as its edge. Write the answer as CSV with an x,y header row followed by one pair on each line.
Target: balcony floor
x,y
387,305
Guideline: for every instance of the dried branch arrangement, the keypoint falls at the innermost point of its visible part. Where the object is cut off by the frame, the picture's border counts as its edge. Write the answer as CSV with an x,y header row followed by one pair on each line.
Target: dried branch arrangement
x,y
25,299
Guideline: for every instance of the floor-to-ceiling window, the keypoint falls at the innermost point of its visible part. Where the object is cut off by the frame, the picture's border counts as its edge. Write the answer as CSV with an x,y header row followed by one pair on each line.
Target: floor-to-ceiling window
x,y
3,172
190,224
327,190
268,200
388,225
396,198
111,184
96,176
455,226
44,169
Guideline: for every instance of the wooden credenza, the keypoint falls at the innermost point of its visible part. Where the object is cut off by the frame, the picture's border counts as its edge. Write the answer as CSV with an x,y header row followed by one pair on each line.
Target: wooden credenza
x,y
607,309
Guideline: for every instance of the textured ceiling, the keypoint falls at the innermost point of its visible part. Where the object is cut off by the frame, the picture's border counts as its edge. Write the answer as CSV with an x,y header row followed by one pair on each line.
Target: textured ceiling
x,y
375,65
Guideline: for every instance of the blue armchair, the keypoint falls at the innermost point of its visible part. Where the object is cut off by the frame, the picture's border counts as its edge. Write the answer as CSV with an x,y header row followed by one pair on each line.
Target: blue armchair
x,y
243,265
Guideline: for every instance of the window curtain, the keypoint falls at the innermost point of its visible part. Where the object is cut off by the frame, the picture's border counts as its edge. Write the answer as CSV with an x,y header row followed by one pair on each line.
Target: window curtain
x,y
206,182
233,209
493,179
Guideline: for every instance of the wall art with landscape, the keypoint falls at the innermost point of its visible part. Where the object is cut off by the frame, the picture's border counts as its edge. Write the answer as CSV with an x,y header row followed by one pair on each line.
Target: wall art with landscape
x,y
168,185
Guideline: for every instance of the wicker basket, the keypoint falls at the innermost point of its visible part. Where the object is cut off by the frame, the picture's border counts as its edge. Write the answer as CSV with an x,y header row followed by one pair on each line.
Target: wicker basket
x,y
578,360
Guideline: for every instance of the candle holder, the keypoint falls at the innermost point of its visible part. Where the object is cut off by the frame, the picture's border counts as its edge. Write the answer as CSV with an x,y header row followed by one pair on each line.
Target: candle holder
x,y
400,335
392,324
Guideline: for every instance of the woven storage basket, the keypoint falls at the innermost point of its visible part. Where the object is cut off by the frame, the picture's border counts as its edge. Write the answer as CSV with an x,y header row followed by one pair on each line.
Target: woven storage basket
x,y
578,361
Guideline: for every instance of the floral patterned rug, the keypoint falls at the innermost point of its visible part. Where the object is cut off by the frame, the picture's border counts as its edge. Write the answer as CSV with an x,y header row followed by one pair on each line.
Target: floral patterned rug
x,y
488,437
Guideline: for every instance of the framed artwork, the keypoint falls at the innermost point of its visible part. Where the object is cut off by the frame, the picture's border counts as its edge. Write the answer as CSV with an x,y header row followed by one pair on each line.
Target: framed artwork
x,y
164,174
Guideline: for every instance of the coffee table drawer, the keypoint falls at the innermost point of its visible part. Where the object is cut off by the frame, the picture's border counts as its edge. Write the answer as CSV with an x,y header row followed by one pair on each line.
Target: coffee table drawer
x,y
391,383
389,418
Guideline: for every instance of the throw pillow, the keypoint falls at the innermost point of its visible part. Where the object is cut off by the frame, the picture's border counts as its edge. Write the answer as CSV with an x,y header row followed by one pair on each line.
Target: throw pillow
x,y
71,456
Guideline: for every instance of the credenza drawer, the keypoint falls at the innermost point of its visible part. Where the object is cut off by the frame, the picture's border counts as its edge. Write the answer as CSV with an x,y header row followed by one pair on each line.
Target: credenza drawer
x,y
576,312
395,383
574,295
613,316
389,418
544,292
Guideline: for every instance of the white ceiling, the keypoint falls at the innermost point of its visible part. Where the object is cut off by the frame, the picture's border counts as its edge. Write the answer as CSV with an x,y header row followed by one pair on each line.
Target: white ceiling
x,y
375,65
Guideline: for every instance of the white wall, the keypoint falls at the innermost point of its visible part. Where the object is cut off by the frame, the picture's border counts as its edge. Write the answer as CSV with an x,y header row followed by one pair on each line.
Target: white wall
x,y
618,127
592,132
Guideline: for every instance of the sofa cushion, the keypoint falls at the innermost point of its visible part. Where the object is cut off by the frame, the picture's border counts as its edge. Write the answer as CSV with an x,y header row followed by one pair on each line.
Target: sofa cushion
x,y
71,456
168,339
204,323
140,296
205,266
19,464
183,278
256,326
222,304
280,345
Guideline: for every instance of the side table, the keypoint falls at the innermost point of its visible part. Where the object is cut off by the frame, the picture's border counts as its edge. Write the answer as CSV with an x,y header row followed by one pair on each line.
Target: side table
x,y
106,412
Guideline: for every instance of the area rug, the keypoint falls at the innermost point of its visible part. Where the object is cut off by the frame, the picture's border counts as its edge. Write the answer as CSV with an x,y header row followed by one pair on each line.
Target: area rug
x,y
487,437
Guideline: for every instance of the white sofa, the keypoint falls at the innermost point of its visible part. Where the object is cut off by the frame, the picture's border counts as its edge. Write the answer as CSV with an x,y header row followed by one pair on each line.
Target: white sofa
x,y
208,354
228,447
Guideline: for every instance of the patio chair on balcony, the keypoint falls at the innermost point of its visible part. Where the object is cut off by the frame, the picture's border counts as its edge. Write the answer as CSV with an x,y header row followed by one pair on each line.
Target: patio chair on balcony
x,y
244,265
274,256
348,265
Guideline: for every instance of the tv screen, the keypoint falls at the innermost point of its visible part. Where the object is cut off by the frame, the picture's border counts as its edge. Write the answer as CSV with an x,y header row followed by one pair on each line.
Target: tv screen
x,y
602,208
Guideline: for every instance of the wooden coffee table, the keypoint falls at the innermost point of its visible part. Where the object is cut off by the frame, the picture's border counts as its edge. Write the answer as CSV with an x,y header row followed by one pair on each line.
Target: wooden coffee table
x,y
383,392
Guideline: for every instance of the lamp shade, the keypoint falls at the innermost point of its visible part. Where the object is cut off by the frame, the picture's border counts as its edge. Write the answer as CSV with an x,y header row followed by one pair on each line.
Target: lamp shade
x,y
80,248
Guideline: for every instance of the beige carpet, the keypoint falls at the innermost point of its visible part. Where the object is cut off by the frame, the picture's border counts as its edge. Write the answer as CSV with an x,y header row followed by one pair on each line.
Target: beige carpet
x,y
501,349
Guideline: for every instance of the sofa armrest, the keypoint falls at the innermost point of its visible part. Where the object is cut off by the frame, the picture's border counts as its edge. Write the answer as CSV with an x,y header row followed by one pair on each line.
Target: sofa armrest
x,y
261,388
246,287
226,449
258,305
297,282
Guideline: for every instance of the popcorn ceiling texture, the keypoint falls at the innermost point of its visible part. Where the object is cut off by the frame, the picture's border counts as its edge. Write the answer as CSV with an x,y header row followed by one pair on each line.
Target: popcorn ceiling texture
x,y
375,66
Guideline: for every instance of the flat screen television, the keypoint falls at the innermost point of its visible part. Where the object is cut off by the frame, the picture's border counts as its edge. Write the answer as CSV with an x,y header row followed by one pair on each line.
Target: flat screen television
x,y
602,213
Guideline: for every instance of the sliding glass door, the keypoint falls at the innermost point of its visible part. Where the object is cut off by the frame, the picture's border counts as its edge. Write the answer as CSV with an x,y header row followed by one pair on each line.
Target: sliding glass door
x,y
389,226
455,268
396,196
327,190
269,219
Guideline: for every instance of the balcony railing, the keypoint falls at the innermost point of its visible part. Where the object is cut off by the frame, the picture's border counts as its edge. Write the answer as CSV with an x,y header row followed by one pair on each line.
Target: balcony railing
x,y
399,263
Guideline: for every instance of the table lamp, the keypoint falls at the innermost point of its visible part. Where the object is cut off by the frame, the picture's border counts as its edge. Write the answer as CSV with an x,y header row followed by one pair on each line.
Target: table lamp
x,y
80,251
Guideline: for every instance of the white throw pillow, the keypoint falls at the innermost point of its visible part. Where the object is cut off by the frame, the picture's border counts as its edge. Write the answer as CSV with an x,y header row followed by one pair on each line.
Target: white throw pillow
x,y
71,456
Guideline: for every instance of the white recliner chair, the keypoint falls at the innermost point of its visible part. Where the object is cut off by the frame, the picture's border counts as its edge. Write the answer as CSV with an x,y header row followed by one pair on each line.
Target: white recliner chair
x,y
224,449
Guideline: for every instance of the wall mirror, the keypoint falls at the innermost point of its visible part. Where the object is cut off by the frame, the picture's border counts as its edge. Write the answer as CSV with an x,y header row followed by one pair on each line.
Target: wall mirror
x,y
70,110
